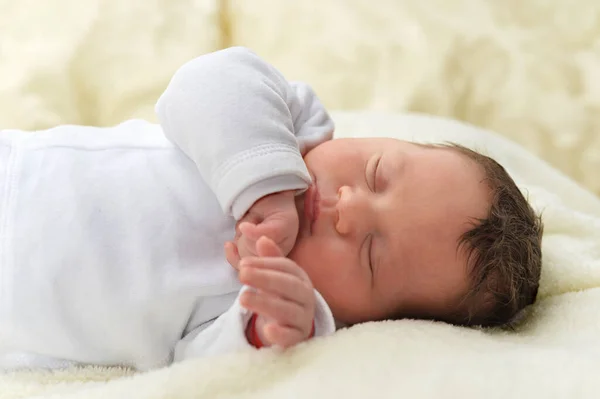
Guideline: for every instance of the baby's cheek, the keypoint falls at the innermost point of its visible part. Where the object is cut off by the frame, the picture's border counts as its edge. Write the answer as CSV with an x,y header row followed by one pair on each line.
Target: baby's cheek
x,y
308,254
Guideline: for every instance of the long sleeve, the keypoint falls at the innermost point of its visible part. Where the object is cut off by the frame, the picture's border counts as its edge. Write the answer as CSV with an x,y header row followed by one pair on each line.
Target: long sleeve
x,y
243,124
227,333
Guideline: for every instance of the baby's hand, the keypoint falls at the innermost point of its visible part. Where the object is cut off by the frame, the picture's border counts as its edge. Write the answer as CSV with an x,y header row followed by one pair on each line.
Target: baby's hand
x,y
273,216
283,299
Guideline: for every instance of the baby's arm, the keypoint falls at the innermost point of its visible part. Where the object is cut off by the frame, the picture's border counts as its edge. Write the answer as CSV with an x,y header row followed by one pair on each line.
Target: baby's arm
x,y
244,126
227,334
286,311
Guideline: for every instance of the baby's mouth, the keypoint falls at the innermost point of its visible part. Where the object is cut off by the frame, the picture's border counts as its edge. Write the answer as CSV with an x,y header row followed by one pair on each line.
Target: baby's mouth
x,y
309,206
308,210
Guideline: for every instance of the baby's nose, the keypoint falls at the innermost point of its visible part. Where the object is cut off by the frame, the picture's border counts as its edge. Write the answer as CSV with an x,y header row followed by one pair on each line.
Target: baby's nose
x,y
353,211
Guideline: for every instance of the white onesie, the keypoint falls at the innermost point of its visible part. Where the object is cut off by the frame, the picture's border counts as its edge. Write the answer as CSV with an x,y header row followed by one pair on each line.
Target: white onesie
x,y
111,239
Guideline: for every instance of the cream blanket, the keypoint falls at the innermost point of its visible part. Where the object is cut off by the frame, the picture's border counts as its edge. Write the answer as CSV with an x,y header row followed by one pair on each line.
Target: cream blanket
x,y
553,352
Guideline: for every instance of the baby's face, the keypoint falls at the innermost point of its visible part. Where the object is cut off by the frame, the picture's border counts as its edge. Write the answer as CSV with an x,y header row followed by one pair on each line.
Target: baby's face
x,y
380,227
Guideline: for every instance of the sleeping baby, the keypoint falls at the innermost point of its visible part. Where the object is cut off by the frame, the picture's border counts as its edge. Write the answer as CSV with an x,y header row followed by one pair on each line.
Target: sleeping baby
x,y
238,223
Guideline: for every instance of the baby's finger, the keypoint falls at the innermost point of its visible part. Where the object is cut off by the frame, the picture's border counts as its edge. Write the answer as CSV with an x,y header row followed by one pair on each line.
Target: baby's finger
x,y
283,336
232,255
267,247
272,307
280,284
249,230
271,226
281,264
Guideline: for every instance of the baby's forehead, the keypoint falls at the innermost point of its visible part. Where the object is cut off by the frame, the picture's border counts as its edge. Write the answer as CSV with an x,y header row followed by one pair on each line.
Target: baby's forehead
x,y
446,191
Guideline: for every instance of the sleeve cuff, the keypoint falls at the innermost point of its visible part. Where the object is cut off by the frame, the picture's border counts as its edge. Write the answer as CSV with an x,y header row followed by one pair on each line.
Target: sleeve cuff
x,y
263,188
257,173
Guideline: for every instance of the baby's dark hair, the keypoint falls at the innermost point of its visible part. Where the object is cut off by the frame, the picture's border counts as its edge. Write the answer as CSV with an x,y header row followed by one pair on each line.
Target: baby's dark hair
x,y
504,251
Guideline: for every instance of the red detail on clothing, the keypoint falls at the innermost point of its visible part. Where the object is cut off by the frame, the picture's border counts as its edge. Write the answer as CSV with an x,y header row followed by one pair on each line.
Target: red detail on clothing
x,y
252,334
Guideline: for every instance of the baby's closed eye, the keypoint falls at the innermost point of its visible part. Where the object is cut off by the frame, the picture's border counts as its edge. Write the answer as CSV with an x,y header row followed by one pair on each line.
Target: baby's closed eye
x,y
371,169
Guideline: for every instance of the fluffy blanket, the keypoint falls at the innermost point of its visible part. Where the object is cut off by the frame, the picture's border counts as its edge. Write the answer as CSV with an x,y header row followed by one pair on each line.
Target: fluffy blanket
x,y
553,352
528,70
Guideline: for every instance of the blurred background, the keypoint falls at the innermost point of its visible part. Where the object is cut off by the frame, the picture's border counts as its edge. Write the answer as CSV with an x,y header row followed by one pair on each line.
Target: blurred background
x,y
526,69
